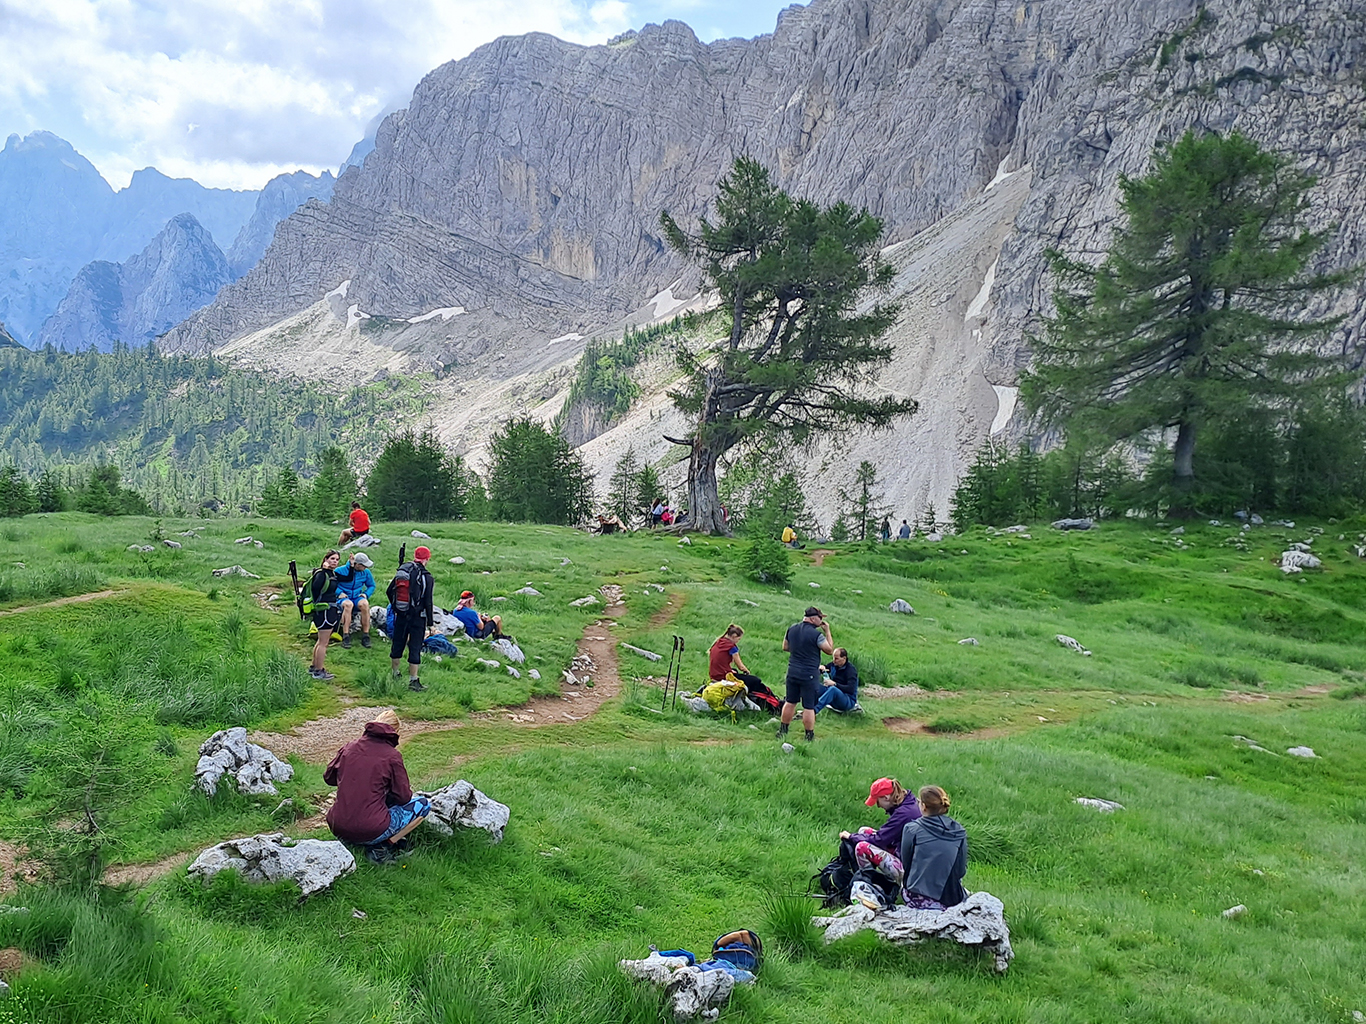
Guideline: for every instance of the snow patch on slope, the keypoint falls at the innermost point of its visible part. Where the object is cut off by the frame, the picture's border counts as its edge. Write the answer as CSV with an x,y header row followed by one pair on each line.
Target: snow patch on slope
x,y
445,313
665,303
979,303
1006,397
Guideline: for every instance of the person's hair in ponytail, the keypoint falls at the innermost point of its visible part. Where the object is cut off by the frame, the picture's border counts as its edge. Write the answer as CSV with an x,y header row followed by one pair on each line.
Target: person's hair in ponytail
x,y
933,800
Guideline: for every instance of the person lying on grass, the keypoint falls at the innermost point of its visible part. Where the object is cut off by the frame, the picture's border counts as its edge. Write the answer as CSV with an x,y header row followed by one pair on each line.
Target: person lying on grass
x,y
476,623
375,807
879,849
934,849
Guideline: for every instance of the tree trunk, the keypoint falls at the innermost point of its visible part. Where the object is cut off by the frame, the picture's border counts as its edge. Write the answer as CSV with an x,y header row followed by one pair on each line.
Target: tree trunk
x,y
704,504
1183,470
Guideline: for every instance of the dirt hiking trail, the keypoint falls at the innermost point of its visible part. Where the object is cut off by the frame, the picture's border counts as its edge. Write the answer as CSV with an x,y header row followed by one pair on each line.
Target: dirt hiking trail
x,y
99,595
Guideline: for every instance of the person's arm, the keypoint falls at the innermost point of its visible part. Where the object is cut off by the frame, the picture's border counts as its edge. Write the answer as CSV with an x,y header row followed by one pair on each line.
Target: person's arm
x,y
785,647
368,584
430,596
736,663
399,787
330,775
827,644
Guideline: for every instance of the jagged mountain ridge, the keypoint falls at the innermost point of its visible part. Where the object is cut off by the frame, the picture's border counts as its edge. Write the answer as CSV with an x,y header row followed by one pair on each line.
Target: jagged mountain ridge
x,y
523,183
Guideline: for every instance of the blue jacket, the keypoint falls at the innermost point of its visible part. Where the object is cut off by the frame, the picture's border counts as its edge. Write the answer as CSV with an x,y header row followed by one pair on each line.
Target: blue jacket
x,y
354,583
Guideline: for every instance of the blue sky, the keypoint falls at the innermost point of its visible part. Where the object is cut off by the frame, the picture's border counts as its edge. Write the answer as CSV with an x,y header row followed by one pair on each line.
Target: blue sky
x,y
232,92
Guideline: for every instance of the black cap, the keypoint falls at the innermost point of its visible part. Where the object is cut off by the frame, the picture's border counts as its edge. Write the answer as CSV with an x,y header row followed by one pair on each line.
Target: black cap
x,y
814,612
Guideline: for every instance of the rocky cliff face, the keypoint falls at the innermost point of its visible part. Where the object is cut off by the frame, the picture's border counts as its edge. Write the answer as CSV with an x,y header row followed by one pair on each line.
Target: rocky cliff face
x,y
282,195
179,271
57,214
523,183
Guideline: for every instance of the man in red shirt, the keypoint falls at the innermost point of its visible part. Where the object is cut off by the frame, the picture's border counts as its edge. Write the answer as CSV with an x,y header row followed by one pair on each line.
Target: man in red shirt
x,y
375,807
360,524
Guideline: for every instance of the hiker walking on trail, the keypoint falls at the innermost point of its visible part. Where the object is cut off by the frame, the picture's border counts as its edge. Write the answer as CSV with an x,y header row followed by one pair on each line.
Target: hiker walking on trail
x,y
935,852
375,807
884,532
320,598
358,524
878,850
804,642
410,599
356,584
905,532
839,691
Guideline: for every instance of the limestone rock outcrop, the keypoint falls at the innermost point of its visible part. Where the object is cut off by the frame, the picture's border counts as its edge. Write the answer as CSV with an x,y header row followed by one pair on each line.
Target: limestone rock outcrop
x,y
978,921
313,864
460,805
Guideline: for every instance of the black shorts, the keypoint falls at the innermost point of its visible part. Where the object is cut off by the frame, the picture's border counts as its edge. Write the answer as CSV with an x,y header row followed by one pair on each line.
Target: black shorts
x,y
409,632
327,618
358,533
486,630
802,690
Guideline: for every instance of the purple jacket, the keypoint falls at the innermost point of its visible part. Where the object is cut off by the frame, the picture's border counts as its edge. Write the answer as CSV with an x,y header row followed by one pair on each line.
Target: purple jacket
x,y
888,837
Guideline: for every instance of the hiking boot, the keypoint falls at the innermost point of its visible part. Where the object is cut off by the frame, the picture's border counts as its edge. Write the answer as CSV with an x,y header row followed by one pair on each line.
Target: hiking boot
x,y
782,732
321,673
416,685
365,642
380,853
857,709
346,641
810,735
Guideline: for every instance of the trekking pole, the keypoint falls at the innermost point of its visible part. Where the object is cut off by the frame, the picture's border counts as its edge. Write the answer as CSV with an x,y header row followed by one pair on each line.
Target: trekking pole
x,y
668,676
294,575
678,672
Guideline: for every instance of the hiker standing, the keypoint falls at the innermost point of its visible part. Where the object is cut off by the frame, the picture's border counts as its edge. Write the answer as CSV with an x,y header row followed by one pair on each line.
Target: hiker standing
x,y
885,531
905,532
375,807
410,598
358,524
804,642
320,597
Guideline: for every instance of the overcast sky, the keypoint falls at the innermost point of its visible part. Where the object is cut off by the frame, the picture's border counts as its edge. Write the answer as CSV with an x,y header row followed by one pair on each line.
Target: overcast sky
x,y
232,92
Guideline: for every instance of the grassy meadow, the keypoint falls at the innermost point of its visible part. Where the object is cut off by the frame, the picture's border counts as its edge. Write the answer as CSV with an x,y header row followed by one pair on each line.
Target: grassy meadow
x,y
637,826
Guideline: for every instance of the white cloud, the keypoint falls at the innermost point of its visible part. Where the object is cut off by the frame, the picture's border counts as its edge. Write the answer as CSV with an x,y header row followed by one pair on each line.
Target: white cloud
x,y
233,91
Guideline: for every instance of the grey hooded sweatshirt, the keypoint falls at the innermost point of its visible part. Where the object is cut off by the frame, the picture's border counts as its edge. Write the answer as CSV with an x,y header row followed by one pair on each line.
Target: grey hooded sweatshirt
x,y
934,850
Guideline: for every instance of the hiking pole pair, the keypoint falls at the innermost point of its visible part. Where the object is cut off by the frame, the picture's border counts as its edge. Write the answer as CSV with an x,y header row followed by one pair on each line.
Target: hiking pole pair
x,y
675,672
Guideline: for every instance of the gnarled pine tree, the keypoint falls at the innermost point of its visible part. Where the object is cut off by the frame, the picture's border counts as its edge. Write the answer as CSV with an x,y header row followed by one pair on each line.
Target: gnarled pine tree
x,y
1196,313
799,357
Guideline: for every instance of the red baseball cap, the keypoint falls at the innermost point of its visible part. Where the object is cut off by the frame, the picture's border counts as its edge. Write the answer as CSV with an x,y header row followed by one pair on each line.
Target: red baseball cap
x,y
880,788
464,594
423,553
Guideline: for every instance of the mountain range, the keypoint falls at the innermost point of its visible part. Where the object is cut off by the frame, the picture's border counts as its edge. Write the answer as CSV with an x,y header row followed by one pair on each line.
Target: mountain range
x,y
511,211
69,240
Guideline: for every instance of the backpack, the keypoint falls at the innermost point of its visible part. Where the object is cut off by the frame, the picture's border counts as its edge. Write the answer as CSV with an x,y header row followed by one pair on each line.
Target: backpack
x,y
741,948
764,697
835,879
439,644
307,602
869,886
405,589
719,693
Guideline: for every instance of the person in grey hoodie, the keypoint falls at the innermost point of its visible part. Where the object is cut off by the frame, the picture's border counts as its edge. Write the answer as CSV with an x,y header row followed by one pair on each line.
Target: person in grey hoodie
x,y
934,850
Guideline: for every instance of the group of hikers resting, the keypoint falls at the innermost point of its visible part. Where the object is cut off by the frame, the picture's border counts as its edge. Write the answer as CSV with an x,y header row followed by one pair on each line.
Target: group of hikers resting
x,y
337,595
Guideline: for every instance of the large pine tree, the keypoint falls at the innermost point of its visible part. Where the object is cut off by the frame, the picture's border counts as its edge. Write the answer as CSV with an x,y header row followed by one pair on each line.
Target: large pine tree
x,y
799,357
1196,315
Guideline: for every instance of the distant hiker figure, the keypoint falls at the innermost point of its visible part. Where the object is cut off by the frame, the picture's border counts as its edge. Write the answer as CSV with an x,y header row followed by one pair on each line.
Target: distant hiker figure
x,y
934,850
410,595
657,513
477,625
905,532
356,585
885,531
321,600
359,524
375,807
804,642
790,537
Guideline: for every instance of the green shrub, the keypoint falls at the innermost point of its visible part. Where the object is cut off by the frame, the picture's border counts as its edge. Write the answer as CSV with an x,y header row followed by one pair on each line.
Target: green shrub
x,y
766,561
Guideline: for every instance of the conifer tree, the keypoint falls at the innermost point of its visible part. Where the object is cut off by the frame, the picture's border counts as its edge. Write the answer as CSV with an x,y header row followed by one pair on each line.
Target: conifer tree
x,y
623,488
1196,313
863,504
798,359
334,488
537,477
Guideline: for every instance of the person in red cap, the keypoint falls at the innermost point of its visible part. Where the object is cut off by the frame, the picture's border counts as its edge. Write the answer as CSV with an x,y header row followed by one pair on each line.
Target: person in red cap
x,y
476,623
880,849
410,598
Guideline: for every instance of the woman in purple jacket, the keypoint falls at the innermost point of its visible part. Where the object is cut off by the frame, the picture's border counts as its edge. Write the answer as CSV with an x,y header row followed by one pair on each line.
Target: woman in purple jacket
x,y
880,849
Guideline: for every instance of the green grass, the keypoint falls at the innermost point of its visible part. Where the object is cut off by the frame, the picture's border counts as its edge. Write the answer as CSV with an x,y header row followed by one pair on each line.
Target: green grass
x,y
636,826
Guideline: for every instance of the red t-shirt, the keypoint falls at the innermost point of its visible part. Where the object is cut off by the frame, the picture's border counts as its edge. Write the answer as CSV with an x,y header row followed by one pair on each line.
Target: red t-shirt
x,y
360,521
721,653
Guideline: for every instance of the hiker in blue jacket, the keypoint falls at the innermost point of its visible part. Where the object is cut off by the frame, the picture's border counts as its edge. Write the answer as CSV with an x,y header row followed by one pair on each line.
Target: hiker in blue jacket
x,y
934,850
840,686
355,585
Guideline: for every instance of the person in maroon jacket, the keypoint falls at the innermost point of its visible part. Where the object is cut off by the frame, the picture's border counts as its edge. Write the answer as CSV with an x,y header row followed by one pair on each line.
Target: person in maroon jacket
x,y
375,807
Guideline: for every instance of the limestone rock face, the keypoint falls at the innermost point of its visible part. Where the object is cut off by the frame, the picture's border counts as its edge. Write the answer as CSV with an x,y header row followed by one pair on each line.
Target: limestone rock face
x,y
282,195
314,864
522,186
460,805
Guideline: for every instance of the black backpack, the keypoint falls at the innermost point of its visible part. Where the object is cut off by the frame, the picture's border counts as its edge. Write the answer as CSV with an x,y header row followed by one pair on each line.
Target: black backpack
x,y
835,878
406,590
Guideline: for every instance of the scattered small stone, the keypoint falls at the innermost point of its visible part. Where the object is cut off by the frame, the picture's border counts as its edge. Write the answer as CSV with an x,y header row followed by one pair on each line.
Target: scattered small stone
x,y
231,570
1253,745
243,540
788,748
856,591
1235,911
816,585
488,661
1072,524
457,560
651,655
528,591
1297,561
359,915
1104,806
934,537
1305,752
175,545
1179,531
565,561
584,602
901,607
969,641
534,674
684,541
419,535
755,604
514,673
1072,644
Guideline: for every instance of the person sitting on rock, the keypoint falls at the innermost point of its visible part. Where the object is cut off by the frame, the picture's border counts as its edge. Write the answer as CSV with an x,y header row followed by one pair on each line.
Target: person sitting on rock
x,y
355,585
934,849
358,524
879,849
375,807
839,691
477,625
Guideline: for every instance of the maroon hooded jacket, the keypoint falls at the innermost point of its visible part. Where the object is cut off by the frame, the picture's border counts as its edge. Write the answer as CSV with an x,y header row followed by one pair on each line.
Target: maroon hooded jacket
x,y
370,778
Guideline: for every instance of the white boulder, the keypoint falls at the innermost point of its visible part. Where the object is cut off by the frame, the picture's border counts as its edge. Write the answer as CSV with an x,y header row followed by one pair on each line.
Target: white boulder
x,y
460,805
420,535
255,769
978,921
528,591
692,992
232,570
1305,752
313,864
1104,806
1072,643
902,607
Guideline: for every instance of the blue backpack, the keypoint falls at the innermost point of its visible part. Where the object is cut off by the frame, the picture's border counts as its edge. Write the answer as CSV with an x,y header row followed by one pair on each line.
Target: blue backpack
x,y
439,644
